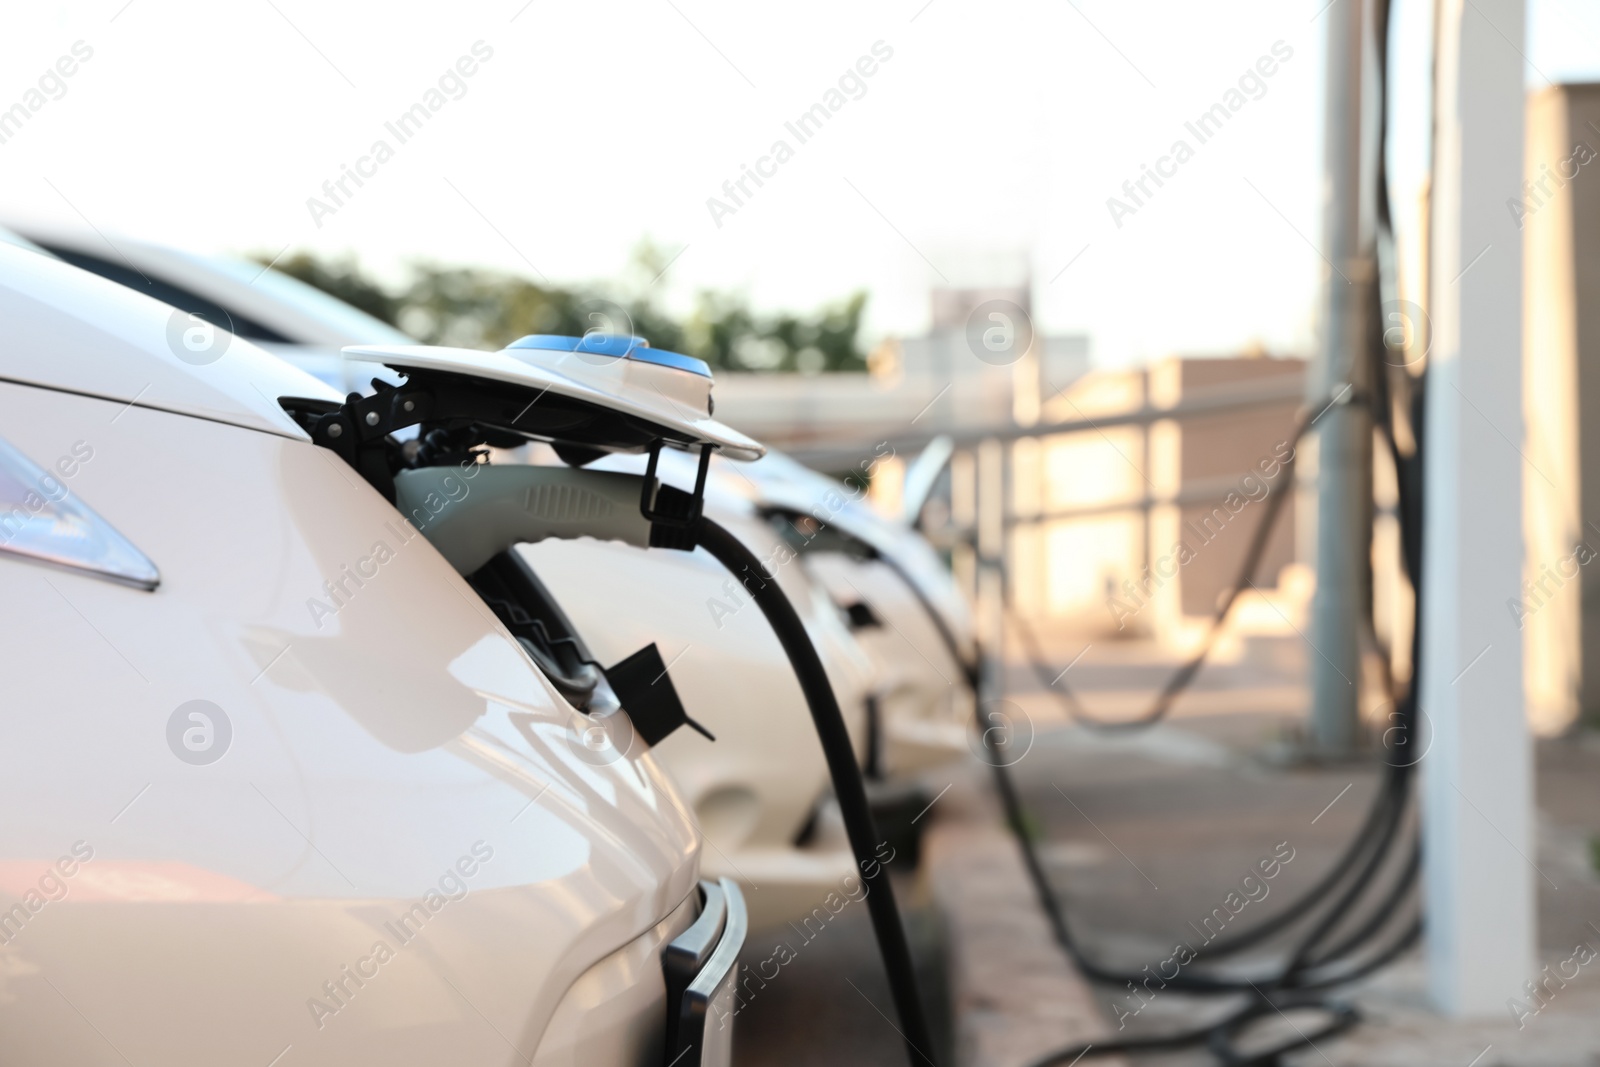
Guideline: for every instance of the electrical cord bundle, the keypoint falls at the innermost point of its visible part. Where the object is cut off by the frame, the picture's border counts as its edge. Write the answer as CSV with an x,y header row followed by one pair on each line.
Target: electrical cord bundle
x,y
1184,675
1313,964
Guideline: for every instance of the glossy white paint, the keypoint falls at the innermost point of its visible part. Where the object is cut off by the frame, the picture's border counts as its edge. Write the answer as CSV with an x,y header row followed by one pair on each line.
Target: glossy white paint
x,y
271,299
68,331
11,237
637,391
397,771
755,787
925,705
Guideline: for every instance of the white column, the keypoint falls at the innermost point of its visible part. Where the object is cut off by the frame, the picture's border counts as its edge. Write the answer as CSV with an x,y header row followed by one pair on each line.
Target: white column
x,y
1477,777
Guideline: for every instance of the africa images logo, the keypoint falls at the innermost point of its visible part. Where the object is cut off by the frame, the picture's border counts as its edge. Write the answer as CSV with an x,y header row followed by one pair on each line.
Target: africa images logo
x,y
199,733
1251,85
851,85
451,887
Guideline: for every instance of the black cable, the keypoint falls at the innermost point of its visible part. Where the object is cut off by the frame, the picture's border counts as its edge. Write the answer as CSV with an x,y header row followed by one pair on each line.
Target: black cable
x,y
1358,886
1376,835
847,784
1387,810
1368,848
1221,1040
1385,813
1380,914
1306,969
1184,675
1378,826
1371,844
1219,1036
1408,476
1382,959
1379,811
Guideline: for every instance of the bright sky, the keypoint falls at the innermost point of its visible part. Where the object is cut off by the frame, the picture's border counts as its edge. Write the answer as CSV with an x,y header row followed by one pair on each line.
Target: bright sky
x,y
983,145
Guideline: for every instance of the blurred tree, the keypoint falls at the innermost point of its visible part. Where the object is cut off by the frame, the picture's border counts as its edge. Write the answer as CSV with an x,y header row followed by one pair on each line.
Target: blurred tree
x,y
341,278
480,309
476,308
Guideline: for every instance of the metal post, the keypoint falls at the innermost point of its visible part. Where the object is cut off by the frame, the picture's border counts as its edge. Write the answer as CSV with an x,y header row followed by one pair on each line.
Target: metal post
x,y
1344,444
991,455
1477,778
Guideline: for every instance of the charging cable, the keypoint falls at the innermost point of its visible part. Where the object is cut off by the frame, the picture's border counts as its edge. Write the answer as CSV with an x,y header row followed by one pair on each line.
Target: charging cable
x,y
502,506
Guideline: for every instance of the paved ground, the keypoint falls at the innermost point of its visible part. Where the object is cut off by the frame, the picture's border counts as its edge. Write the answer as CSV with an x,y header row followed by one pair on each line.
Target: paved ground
x,y
1146,836
830,1003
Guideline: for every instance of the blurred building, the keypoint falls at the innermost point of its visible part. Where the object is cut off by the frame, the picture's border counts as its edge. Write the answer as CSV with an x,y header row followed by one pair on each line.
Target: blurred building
x,y
1132,514
1558,209
1129,498
918,387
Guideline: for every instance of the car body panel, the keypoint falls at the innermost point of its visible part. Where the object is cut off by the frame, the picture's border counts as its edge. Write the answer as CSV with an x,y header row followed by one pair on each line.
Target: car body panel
x,y
622,598
396,770
104,340
926,707
756,787
924,703
279,304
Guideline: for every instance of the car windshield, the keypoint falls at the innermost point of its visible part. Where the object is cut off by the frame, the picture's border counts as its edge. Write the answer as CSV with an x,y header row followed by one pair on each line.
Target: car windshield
x,y
10,238
330,311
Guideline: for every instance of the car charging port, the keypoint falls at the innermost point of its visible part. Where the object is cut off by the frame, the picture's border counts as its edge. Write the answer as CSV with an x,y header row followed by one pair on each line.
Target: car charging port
x,y
472,512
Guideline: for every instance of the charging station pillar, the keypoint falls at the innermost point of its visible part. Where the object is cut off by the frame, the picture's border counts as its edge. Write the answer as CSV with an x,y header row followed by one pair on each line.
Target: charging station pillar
x,y
1477,775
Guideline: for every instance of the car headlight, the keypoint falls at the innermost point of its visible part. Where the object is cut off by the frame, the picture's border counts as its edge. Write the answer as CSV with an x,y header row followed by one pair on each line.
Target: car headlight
x,y
41,519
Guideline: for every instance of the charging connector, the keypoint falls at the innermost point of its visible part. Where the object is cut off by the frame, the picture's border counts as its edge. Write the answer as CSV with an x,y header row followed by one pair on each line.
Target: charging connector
x,y
472,512
473,515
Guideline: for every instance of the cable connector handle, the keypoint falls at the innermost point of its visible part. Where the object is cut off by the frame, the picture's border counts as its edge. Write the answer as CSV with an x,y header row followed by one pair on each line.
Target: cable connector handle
x,y
473,512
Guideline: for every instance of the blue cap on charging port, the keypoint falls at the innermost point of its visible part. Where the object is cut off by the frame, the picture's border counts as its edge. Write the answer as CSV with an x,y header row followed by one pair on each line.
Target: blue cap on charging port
x,y
618,345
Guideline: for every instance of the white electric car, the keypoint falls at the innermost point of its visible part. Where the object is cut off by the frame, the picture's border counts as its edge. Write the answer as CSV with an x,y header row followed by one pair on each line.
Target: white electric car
x,y
761,793
279,786
277,312
16,240
905,606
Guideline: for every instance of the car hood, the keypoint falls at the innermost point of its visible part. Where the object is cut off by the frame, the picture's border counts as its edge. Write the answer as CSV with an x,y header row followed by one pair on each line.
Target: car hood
x,y
70,330
311,738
